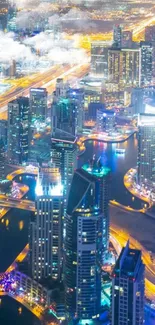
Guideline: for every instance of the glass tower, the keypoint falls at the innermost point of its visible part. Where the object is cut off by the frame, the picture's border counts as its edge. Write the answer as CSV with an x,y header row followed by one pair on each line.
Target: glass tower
x,y
18,130
38,104
146,67
117,36
2,160
64,157
86,242
146,149
127,297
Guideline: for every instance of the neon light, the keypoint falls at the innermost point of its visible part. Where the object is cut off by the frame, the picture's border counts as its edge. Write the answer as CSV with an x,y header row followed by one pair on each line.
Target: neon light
x,y
99,172
57,190
38,189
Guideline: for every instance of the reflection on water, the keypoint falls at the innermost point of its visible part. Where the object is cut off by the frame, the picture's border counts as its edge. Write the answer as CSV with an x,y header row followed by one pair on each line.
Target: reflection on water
x,y
21,224
7,222
14,229
119,165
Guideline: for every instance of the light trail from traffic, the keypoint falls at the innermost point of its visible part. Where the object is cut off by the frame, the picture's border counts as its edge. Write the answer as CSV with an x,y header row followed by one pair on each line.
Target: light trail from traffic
x,y
45,80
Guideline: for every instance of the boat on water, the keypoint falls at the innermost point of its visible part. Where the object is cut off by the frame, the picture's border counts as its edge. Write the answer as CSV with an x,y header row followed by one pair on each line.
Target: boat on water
x,y
120,151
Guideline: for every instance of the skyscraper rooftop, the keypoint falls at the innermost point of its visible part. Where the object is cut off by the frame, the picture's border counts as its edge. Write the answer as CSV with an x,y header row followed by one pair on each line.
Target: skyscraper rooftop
x,y
127,262
96,169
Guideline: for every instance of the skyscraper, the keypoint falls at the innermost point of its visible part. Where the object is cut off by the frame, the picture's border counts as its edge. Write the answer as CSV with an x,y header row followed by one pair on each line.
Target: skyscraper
x,y
123,68
18,130
3,13
64,157
105,120
141,96
146,54
3,130
61,88
150,37
76,97
45,237
150,34
86,241
127,39
127,296
99,59
67,109
63,116
38,104
117,36
2,160
146,149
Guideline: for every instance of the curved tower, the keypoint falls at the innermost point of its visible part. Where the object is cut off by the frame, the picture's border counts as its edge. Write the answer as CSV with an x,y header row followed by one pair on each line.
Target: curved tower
x,y
87,235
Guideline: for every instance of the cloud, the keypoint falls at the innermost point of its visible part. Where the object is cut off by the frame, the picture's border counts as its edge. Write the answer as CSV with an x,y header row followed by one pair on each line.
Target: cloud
x,y
26,3
11,49
50,50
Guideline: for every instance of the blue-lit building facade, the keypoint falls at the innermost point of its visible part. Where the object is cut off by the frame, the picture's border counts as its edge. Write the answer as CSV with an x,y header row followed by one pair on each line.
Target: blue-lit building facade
x,y
127,296
2,160
63,116
105,120
86,242
18,130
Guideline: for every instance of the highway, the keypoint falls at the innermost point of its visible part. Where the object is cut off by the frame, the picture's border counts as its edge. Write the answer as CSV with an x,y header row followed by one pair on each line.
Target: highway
x,y
17,203
46,80
127,208
130,184
20,258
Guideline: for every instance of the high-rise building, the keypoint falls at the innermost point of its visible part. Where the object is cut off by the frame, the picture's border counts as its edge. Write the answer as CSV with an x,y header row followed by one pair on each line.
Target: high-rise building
x,y
76,97
3,131
13,69
150,37
64,157
67,111
150,34
127,295
146,149
2,160
3,13
63,116
99,59
146,54
140,97
123,68
61,88
117,36
105,120
38,104
45,237
18,130
127,39
86,241
12,19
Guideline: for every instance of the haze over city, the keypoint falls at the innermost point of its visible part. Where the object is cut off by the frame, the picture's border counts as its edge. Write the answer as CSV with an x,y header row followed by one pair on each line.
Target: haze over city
x,y
77,162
